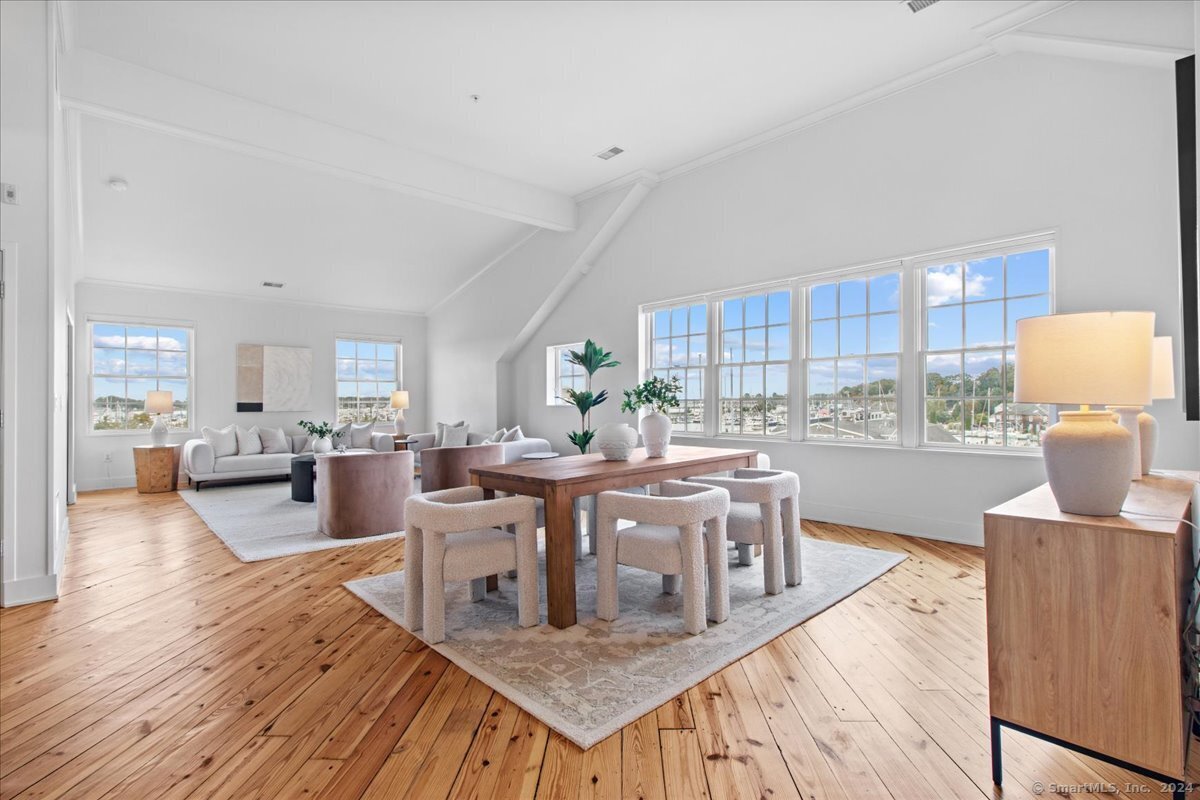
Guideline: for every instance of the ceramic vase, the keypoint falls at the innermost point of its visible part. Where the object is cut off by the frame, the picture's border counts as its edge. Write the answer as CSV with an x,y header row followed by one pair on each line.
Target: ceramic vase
x,y
1089,459
322,445
656,433
1148,431
615,441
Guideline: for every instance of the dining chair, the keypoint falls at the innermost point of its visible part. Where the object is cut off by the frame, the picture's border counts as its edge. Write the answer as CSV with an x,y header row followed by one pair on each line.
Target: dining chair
x,y
457,535
675,534
764,510
587,504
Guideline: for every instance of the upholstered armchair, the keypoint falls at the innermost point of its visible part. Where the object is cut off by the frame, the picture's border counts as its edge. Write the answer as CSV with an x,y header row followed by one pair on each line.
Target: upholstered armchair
x,y
676,534
450,467
362,494
764,510
456,535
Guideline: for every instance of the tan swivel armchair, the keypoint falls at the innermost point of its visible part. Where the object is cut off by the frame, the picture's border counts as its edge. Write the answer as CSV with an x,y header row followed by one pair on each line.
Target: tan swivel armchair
x,y
362,494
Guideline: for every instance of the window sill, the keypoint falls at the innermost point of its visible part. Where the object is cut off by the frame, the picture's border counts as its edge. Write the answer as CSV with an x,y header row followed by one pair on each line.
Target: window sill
x,y
881,445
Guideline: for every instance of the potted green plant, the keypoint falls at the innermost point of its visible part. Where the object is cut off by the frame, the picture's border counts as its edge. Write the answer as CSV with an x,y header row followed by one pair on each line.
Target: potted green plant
x,y
592,358
322,434
658,395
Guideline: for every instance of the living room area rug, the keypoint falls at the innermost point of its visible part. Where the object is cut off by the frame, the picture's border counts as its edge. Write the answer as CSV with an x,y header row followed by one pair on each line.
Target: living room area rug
x,y
592,679
259,521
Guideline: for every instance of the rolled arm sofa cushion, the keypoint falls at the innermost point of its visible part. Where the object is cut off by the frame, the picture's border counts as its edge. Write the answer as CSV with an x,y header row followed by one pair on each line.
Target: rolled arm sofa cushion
x,y
514,451
383,443
198,457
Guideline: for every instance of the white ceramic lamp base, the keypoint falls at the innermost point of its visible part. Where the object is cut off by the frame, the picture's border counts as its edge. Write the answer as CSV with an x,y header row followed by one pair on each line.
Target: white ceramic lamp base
x,y
399,422
1089,460
1127,417
158,431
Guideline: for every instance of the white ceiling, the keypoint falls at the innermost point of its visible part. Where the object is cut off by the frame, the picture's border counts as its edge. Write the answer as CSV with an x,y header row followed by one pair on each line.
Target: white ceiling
x,y
200,217
559,81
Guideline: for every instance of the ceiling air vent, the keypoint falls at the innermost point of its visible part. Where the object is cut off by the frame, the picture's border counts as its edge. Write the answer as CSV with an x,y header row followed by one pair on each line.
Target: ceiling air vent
x,y
272,285
611,152
918,5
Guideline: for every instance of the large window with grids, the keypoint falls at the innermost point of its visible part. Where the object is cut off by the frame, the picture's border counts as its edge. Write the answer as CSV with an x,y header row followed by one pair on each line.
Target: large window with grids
x,y
970,313
368,370
679,347
755,364
854,358
562,374
130,359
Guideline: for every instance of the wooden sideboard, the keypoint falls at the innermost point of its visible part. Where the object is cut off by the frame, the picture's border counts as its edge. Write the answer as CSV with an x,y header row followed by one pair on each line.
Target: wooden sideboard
x,y
1085,618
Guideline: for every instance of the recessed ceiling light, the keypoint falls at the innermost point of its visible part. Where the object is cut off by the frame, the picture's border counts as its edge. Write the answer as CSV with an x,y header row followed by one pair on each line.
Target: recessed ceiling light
x,y
118,184
474,98
611,152
272,285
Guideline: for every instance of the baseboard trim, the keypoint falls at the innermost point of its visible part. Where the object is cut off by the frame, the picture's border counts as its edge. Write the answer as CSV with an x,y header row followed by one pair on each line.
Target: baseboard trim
x,y
943,530
118,482
24,591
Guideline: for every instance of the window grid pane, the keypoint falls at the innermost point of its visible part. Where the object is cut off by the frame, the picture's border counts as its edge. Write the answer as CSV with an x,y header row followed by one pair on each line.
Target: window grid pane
x,y
853,359
679,348
970,330
130,360
367,373
756,335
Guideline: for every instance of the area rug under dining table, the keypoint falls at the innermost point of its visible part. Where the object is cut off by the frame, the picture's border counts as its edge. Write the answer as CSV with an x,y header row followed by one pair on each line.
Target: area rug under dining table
x,y
591,679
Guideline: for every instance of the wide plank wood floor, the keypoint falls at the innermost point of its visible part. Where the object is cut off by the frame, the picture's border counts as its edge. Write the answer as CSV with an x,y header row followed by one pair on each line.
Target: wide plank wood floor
x,y
169,669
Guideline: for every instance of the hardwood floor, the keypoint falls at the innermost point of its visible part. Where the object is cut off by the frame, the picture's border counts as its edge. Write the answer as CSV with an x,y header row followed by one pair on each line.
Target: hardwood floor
x,y
168,669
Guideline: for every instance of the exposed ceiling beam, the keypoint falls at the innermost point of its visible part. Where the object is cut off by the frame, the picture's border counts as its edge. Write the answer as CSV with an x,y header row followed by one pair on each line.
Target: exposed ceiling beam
x,y
112,89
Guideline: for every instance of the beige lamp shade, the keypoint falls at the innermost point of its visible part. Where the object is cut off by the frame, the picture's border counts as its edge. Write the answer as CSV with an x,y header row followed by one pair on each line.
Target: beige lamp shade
x,y
160,402
1164,369
400,399
1095,358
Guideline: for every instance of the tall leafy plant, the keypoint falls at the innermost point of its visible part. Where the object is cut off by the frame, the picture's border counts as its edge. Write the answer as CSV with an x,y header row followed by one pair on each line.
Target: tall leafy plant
x,y
591,359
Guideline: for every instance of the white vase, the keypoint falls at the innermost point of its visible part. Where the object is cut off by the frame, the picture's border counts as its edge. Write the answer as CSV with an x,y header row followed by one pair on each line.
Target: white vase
x,y
1148,431
1089,459
322,445
615,441
656,433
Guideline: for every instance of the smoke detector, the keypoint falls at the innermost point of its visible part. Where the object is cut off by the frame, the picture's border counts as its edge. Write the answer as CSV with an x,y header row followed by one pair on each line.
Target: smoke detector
x,y
917,5
272,285
611,152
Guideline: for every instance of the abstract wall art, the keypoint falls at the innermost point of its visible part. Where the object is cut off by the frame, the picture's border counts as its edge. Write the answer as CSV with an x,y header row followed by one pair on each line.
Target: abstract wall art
x,y
271,378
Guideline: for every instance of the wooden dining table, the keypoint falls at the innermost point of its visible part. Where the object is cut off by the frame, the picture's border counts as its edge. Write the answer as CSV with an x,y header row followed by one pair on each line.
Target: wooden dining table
x,y
559,481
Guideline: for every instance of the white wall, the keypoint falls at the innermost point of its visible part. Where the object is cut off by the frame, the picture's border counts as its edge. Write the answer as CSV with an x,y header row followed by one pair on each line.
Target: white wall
x,y
1018,144
220,324
39,296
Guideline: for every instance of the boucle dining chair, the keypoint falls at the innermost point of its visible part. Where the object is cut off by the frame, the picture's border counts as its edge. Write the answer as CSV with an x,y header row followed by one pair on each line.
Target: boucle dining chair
x,y
764,510
675,534
457,535
587,503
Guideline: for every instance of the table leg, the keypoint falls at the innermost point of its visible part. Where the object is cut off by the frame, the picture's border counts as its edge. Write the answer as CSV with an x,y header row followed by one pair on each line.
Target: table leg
x,y
560,560
493,581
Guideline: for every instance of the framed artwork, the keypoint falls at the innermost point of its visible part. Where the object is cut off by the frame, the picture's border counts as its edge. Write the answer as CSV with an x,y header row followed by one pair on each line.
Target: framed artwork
x,y
272,378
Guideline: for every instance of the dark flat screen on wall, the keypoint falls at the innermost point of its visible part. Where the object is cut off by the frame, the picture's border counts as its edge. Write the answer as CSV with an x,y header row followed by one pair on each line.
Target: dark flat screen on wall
x,y
1185,105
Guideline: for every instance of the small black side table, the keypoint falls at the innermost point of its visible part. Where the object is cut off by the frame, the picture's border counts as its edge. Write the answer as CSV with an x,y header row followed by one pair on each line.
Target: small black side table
x,y
303,469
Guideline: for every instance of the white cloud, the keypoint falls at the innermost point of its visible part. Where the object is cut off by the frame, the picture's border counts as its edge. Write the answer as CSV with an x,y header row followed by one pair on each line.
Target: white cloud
x,y
943,285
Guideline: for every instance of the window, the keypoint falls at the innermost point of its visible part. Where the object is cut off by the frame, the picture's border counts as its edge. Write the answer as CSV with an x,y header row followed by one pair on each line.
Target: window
x,y
971,310
756,351
561,374
854,358
679,347
368,370
129,360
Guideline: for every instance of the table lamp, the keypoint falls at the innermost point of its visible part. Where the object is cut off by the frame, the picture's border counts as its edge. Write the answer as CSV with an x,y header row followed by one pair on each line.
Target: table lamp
x,y
1094,358
159,403
399,402
1163,388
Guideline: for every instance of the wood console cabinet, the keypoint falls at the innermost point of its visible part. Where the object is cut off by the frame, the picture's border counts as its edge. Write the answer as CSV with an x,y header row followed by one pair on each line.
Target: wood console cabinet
x,y
1084,618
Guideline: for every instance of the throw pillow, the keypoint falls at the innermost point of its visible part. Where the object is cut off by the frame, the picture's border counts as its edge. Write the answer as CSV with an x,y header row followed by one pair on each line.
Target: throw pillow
x,y
249,444
273,440
360,435
456,436
224,441
341,436
514,435
440,436
495,437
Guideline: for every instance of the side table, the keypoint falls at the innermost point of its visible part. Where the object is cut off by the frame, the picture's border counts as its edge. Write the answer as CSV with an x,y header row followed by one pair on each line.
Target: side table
x,y
157,468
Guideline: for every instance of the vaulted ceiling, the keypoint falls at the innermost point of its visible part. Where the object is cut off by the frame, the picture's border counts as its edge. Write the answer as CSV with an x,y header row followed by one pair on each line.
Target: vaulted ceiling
x,y
337,146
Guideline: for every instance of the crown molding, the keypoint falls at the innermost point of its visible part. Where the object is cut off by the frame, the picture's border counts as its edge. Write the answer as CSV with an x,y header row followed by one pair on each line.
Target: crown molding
x,y
1020,17
254,298
1137,55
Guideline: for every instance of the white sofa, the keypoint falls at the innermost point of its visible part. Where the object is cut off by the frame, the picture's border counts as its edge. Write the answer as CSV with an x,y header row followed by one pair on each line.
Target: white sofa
x,y
513,451
200,465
